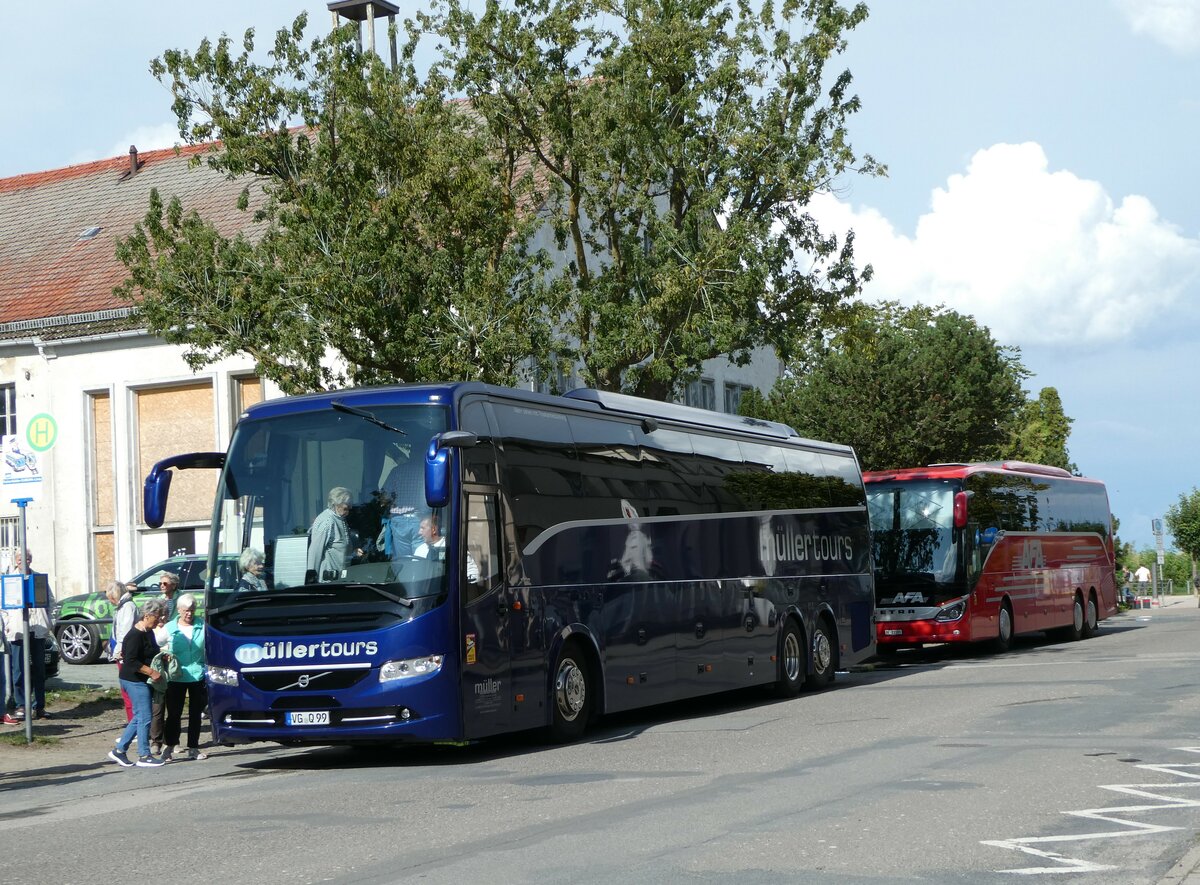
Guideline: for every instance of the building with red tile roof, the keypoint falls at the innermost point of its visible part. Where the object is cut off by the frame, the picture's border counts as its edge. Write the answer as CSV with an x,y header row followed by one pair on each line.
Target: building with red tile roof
x,y
78,371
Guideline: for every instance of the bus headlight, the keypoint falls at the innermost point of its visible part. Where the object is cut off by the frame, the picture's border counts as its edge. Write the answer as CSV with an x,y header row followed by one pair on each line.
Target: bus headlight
x,y
410,668
952,612
222,675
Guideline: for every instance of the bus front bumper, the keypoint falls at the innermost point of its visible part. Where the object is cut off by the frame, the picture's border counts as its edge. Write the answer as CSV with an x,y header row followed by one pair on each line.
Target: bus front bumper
x,y
910,627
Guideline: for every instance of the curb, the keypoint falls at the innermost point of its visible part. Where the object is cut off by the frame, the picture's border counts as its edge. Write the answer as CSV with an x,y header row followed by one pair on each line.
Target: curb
x,y
1182,871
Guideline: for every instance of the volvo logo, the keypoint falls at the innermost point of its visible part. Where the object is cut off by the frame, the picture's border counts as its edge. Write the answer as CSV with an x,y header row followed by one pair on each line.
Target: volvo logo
x,y
304,679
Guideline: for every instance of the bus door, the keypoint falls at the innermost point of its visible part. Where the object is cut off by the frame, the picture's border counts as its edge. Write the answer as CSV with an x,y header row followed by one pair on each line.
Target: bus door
x,y
485,643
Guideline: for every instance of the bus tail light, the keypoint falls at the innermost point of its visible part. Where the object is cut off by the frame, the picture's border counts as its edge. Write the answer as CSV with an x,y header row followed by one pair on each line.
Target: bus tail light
x,y
960,510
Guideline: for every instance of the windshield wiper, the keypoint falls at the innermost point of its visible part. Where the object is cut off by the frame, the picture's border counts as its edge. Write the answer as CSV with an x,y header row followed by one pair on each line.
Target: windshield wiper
x,y
339,406
392,596
247,600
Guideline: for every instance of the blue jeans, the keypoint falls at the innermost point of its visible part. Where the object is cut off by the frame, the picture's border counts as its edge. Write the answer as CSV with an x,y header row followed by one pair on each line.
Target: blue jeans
x,y
37,672
139,693
404,531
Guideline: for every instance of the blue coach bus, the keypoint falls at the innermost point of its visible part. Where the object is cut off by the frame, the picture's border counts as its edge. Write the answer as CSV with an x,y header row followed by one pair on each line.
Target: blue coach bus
x,y
505,560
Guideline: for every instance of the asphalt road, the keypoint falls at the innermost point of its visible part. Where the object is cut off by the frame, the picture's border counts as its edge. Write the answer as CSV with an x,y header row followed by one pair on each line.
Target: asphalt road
x,y
1077,758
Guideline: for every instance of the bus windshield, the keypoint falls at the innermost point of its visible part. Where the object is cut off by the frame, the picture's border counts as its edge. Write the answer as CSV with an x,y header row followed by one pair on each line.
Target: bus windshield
x,y
913,537
328,507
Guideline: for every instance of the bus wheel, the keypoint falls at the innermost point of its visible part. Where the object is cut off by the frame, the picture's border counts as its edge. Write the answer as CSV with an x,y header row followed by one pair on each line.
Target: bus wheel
x,y
821,673
1073,632
571,705
791,662
1091,619
1004,635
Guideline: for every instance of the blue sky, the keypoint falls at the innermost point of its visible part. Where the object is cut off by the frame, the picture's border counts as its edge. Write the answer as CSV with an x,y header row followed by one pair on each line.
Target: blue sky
x,y
1041,178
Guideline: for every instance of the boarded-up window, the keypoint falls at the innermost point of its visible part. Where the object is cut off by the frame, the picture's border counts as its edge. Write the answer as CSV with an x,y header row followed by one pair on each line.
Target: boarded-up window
x,y
104,561
247,392
103,494
172,421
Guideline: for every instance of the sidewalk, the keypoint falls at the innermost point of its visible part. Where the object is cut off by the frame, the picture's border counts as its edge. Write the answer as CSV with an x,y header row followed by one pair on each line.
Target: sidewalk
x,y
77,734
1187,870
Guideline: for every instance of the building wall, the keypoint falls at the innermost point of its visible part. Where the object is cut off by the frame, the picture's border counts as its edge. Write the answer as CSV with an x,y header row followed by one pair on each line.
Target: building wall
x,y
119,402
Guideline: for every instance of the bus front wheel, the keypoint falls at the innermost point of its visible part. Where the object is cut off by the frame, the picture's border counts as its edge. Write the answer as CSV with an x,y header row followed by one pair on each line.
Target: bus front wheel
x,y
791,662
571,704
823,658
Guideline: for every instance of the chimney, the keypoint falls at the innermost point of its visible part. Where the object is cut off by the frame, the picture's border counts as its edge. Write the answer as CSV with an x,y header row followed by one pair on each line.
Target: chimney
x,y
133,159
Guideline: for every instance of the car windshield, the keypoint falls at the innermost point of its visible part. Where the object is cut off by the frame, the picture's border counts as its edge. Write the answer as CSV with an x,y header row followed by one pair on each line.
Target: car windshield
x,y
330,505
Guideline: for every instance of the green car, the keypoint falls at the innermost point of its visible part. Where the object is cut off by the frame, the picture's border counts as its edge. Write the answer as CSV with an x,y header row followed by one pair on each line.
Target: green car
x,y
83,624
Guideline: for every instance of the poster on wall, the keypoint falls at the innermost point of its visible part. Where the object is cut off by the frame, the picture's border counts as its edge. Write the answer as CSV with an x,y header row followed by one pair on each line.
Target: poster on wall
x,y
21,467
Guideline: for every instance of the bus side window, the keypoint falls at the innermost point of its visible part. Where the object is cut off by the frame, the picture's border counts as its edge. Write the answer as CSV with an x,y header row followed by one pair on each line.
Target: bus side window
x,y
482,547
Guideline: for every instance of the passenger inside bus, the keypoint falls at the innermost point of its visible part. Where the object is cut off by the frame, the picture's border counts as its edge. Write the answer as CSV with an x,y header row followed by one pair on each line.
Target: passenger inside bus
x,y
403,494
331,547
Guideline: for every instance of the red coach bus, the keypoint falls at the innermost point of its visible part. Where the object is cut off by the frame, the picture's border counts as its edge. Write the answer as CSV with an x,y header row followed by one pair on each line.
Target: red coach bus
x,y
982,552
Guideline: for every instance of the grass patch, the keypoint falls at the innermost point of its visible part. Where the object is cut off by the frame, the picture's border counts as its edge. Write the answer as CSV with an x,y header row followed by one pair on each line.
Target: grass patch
x,y
83,696
17,739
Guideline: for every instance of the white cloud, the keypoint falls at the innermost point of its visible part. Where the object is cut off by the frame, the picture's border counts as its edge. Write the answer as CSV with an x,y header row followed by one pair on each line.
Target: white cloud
x,y
148,138
1039,257
1174,23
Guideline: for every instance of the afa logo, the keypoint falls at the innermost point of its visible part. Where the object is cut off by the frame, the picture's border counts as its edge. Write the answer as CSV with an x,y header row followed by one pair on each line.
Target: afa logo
x,y
1031,555
911,598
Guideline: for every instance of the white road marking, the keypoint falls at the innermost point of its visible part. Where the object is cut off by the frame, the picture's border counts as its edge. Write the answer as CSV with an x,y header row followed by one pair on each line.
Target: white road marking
x,y
1189,772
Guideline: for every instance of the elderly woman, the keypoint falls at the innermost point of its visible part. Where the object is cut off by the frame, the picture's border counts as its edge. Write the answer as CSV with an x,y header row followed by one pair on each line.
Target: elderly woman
x,y
137,654
168,583
185,642
330,545
124,614
251,564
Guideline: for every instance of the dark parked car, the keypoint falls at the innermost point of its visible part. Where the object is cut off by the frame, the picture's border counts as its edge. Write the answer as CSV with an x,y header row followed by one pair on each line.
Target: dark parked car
x,y
52,658
83,624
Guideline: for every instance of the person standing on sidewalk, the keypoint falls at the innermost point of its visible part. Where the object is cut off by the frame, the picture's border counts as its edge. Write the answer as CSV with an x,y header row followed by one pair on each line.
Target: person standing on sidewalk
x,y
39,633
185,642
125,615
168,583
137,652
3,673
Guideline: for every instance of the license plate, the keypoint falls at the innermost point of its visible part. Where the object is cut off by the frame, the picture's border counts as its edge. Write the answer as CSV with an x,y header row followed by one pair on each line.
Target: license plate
x,y
307,717
893,632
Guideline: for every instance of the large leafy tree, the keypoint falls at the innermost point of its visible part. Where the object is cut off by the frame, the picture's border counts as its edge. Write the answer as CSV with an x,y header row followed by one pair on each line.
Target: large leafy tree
x,y
681,141
1041,432
380,223
905,387
664,150
1183,522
